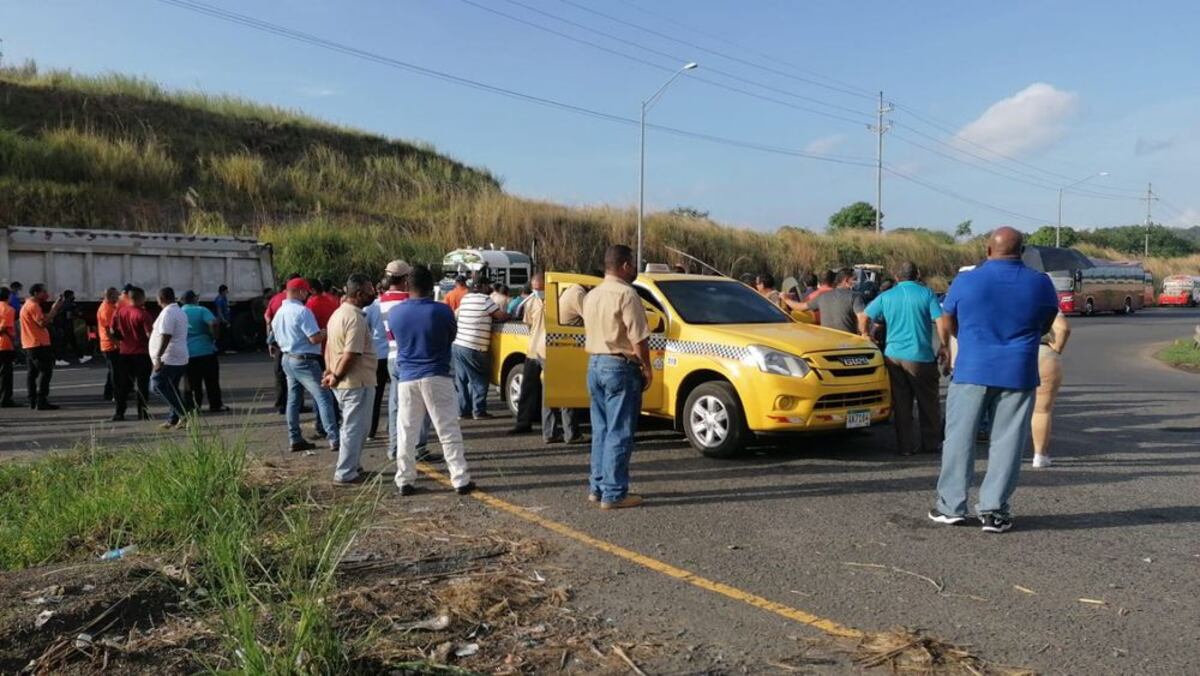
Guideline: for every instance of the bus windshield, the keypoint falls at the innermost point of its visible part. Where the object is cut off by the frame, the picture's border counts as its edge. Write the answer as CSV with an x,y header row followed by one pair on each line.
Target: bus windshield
x,y
720,302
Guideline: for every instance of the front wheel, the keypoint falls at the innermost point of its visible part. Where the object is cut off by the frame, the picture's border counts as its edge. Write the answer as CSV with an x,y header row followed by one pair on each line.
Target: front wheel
x,y
1089,308
714,422
512,386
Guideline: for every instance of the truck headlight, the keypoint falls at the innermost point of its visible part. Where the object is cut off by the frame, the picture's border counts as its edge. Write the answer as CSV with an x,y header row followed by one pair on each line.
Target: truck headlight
x,y
773,361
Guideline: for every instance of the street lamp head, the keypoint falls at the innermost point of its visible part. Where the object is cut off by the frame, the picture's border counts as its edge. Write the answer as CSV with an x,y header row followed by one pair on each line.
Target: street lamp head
x,y
690,65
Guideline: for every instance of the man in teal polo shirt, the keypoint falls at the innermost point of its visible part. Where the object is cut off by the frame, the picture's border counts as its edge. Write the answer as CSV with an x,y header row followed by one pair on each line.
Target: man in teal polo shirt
x,y
909,310
999,312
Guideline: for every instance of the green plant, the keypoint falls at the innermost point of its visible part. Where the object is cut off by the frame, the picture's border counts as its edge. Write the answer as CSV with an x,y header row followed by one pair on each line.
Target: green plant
x,y
1182,353
857,216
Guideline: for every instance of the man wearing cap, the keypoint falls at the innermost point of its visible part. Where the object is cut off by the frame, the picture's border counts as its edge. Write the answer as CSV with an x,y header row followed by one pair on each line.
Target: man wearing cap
x,y
351,374
281,385
203,369
397,273
619,371
299,339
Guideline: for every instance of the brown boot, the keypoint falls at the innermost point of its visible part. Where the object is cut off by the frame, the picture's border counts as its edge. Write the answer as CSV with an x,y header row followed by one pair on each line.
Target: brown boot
x,y
629,500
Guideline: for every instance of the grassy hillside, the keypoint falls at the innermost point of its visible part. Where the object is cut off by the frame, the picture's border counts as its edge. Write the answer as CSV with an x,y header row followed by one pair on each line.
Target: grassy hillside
x,y
121,152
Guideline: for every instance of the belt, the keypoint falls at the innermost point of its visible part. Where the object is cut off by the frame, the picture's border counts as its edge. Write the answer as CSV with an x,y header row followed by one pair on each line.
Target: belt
x,y
302,355
618,355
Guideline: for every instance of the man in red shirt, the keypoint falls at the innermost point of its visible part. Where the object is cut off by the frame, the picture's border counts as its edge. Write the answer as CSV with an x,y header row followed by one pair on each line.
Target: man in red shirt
x,y
131,327
281,386
322,303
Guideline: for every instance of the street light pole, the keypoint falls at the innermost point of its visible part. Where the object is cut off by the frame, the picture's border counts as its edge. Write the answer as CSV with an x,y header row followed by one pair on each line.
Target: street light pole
x,y
646,106
1058,228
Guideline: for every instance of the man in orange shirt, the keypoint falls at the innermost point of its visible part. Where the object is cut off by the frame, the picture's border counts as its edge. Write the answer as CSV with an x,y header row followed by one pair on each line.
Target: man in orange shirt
x,y
35,339
455,296
8,352
108,346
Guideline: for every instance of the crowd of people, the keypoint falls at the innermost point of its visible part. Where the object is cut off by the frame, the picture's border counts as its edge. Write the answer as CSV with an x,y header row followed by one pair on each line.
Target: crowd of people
x,y
172,353
342,348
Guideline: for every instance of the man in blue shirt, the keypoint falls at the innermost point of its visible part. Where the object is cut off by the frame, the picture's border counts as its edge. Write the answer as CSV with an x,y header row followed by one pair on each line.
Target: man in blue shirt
x,y
203,370
423,330
221,304
998,311
909,311
295,331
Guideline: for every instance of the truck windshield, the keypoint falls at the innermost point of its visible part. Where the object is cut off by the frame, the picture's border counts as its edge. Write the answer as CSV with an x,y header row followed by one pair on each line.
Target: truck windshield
x,y
720,302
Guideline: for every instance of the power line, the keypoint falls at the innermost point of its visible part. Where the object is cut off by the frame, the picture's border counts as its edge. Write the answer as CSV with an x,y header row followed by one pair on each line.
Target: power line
x,y
958,196
313,40
846,88
715,52
676,59
307,38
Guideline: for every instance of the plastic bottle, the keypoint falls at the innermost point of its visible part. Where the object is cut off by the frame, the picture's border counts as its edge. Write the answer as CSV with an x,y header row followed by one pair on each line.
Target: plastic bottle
x,y
114,554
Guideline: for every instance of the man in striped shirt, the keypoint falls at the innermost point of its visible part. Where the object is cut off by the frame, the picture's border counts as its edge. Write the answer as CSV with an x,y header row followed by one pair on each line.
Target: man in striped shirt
x,y
471,350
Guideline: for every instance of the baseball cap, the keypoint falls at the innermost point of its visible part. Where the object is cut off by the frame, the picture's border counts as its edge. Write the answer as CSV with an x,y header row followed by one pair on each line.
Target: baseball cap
x,y
299,283
397,268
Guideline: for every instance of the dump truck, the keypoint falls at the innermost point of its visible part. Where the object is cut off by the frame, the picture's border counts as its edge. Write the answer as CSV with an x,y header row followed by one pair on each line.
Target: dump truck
x,y
89,261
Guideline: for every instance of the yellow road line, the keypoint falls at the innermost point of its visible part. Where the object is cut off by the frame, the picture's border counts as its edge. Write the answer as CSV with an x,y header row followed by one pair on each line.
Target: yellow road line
x,y
826,625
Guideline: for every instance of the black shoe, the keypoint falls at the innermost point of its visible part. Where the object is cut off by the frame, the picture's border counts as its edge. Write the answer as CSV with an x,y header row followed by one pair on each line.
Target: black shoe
x,y
32,405
996,523
553,440
519,429
143,415
47,406
946,519
301,446
575,440
467,489
429,456
406,490
117,418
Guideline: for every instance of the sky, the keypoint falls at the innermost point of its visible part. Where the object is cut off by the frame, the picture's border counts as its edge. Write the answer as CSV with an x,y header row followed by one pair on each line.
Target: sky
x,y
995,105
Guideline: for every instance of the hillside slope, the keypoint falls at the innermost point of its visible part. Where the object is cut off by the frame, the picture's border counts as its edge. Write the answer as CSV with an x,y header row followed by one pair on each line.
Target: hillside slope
x,y
122,152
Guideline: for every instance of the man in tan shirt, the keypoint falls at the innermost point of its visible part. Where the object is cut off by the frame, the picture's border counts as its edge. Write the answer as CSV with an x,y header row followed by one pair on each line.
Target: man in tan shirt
x,y
531,398
614,321
351,365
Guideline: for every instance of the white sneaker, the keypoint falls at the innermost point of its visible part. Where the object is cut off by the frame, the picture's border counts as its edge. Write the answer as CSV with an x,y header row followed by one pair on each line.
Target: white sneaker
x,y
85,359
1040,460
60,363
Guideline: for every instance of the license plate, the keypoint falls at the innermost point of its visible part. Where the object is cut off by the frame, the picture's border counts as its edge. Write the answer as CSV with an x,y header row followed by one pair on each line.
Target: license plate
x,y
856,419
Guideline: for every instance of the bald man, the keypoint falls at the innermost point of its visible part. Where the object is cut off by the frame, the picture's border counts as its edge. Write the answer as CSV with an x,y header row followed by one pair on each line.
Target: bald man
x,y
998,312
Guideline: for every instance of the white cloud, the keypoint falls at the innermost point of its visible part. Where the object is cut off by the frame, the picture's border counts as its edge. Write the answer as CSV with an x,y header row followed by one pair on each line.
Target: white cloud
x,y
316,91
1027,121
1188,218
825,144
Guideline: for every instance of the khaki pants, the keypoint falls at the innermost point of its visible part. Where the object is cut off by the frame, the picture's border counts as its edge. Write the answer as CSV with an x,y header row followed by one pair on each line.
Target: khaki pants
x,y
915,380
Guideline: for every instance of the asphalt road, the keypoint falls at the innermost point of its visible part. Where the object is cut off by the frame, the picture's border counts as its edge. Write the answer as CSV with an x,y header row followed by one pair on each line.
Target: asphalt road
x,y
1117,519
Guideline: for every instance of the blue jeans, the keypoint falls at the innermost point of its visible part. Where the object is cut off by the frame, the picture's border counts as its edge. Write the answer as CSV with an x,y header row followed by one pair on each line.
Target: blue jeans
x,y
1010,412
165,382
393,426
471,369
305,375
615,389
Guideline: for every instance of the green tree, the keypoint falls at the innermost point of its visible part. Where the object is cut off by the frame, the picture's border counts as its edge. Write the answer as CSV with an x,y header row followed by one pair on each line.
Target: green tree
x,y
688,212
857,216
1044,236
963,230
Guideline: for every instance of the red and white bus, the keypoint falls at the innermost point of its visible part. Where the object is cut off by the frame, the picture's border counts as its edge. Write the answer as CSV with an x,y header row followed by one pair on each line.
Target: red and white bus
x,y
1180,290
1104,287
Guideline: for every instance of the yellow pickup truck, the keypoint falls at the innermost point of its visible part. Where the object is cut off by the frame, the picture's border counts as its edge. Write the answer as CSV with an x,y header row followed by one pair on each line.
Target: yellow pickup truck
x,y
728,364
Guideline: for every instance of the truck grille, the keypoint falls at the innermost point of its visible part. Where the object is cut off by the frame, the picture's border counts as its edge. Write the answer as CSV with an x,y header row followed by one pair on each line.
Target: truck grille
x,y
850,373
849,399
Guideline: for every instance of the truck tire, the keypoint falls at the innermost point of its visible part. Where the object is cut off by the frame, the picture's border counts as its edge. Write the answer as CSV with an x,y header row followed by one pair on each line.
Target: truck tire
x,y
1089,308
1128,309
512,387
714,422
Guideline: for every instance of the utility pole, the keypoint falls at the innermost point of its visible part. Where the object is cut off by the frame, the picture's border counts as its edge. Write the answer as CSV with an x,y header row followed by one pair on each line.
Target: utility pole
x,y
1150,199
880,129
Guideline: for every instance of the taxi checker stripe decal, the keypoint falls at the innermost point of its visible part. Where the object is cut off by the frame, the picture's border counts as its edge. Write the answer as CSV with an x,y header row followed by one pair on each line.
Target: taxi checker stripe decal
x,y
657,342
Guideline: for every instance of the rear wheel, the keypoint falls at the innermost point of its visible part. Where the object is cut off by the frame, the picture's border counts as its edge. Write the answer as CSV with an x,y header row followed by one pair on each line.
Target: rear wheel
x,y
512,386
1128,309
1089,308
713,420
